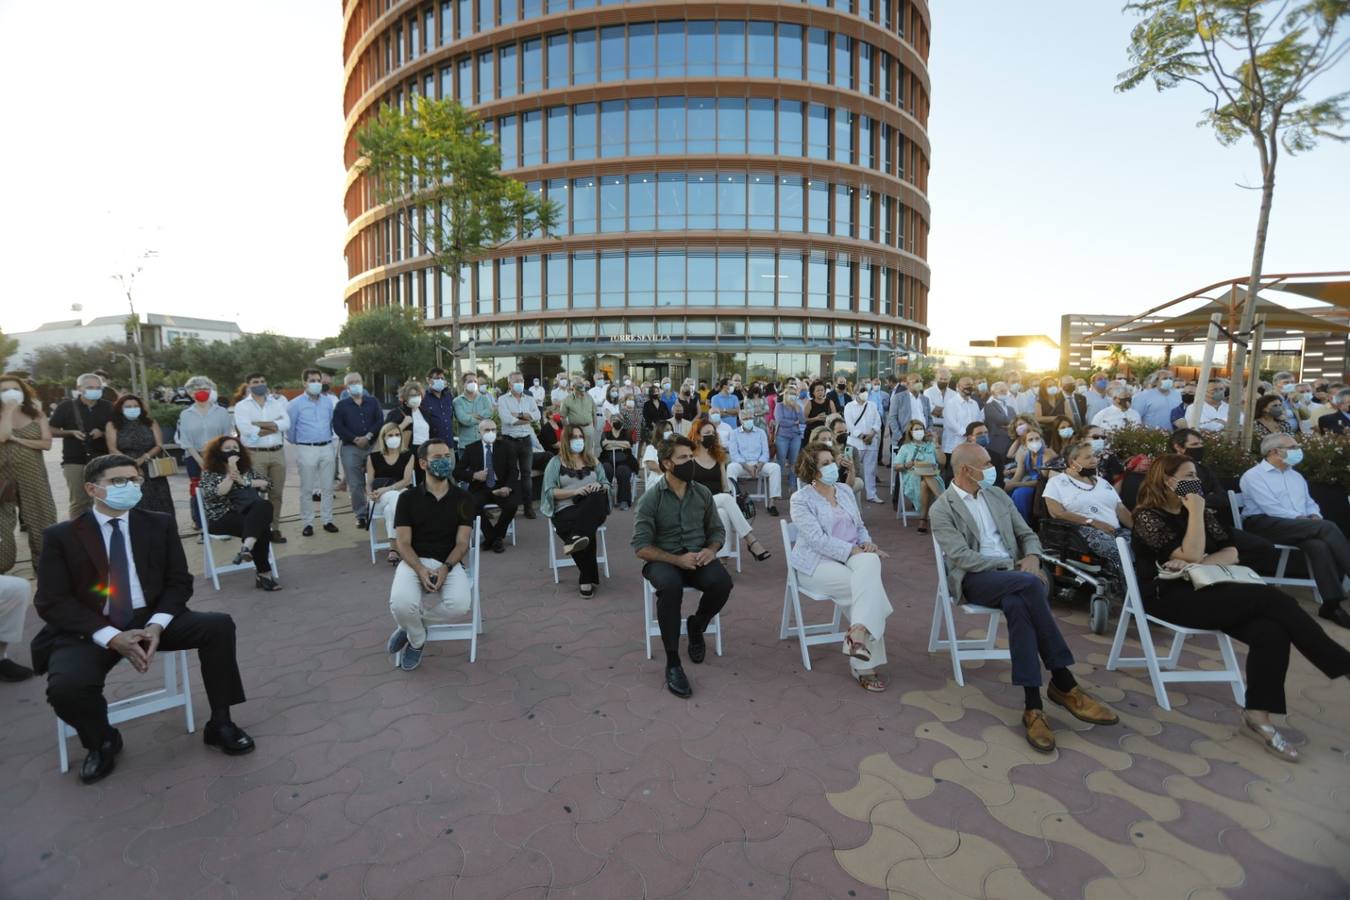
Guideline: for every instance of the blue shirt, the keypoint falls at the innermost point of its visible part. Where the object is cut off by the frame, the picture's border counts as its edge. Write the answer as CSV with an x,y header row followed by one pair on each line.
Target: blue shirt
x,y
669,399
311,419
1155,407
724,402
439,411
351,421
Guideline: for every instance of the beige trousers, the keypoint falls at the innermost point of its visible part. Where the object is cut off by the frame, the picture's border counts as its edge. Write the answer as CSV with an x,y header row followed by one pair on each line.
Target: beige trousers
x,y
856,586
271,464
414,609
80,502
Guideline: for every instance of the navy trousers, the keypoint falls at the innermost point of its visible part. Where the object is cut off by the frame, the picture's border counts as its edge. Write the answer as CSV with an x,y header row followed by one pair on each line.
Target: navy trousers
x,y
1032,629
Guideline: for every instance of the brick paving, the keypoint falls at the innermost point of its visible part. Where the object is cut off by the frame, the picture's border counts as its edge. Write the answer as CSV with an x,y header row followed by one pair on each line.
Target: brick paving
x,y
557,765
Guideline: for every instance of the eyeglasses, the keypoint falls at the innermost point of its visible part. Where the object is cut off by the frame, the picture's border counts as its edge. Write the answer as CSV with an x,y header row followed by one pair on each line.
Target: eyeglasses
x,y
122,481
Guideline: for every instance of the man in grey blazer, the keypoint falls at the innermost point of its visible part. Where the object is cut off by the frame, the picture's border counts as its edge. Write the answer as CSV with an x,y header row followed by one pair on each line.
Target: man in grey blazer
x,y
992,559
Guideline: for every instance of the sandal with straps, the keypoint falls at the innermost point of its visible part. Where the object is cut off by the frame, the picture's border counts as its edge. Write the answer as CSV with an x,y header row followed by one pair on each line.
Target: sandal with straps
x,y
871,683
1270,738
855,647
762,554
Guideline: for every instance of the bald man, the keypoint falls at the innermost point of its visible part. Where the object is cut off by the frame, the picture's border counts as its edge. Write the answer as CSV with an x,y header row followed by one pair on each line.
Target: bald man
x,y
992,560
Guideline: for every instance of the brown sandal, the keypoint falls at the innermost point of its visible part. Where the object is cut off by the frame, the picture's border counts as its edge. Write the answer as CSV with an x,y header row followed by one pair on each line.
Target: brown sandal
x,y
873,684
855,647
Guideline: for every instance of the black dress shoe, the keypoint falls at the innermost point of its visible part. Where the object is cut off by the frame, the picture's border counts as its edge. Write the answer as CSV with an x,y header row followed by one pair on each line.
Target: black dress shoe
x,y
698,648
498,546
362,524
12,671
676,683
330,528
278,537
99,764
228,737
266,583
1334,612
773,510
308,531
529,512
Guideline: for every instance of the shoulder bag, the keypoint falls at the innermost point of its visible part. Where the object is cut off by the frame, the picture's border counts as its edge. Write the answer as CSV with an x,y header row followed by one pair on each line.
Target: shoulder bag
x,y
161,466
1203,575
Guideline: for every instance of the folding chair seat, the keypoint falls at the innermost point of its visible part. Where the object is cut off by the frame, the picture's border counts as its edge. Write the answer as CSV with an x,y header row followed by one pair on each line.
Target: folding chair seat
x,y
793,622
944,622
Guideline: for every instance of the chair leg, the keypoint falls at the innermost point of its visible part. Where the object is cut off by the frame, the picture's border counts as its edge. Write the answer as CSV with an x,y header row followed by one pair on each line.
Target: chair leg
x,y
1117,645
718,645
935,633
604,551
801,631
785,624
187,692
62,750
1174,655
647,616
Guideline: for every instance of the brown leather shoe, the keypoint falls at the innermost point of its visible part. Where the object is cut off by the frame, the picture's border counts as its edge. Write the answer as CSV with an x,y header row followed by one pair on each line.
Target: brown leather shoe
x,y
1039,733
1083,707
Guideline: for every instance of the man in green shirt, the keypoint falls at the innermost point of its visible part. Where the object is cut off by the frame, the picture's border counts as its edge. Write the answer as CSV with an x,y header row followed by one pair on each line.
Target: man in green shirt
x,y
677,533
578,408
471,407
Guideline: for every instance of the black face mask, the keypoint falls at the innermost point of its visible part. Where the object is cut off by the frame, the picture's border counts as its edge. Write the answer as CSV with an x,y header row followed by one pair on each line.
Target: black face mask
x,y
230,454
1088,472
684,471
942,385
1196,453
709,442
1187,399
1189,486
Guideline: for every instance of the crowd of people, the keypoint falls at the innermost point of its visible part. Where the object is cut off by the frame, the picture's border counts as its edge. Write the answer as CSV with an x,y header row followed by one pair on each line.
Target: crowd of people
x,y
981,462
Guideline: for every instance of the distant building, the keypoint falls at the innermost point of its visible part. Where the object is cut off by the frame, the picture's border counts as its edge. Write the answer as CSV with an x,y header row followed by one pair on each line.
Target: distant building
x,y
1075,351
158,332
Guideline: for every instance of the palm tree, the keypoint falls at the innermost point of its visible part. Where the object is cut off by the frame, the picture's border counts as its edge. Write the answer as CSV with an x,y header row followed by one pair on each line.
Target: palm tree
x,y
1119,356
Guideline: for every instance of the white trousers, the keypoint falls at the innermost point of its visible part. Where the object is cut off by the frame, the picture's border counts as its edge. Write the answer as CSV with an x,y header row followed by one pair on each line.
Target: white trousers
x,y
14,595
856,586
384,508
733,520
772,470
865,458
414,609
316,465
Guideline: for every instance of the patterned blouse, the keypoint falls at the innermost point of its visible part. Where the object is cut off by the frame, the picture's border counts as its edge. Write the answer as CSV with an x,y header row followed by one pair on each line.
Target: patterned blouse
x,y
217,507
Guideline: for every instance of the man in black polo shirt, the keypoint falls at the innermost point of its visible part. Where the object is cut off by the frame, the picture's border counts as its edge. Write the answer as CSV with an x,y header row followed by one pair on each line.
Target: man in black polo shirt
x,y
80,423
433,523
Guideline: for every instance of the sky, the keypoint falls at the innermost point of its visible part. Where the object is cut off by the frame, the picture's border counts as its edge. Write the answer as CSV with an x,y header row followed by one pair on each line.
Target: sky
x,y
212,134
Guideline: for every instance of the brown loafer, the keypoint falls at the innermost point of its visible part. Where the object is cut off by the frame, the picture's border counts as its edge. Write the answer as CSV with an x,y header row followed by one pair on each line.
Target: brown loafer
x,y
1039,733
1082,707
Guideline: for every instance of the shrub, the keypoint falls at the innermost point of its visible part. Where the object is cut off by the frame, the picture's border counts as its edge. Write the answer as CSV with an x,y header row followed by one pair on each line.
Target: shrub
x,y
1326,459
1133,440
1228,457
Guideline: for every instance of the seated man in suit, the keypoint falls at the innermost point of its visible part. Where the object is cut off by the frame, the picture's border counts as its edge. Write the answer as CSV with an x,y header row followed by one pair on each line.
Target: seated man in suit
x,y
497,483
677,533
992,560
1337,422
114,583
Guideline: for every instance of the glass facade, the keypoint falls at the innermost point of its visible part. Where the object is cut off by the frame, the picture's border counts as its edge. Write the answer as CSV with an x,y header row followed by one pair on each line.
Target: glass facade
x,y
770,211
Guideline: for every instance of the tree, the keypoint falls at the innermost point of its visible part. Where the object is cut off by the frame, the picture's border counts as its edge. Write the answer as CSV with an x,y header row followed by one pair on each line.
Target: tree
x,y
280,358
63,363
440,169
1257,60
8,347
388,341
1119,355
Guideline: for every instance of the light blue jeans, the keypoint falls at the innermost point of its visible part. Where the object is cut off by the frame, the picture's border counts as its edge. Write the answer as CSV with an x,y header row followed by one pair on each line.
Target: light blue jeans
x,y
788,447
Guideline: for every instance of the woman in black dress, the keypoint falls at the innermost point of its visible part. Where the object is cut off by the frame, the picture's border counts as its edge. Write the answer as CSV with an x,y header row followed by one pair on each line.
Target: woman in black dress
x,y
820,407
133,433
389,472
710,470
1173,529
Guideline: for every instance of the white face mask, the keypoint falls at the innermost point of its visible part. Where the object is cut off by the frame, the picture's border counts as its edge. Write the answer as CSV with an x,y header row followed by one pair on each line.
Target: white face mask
x,y
12,395
1066,432
414,402
715,418
917,434
747,424
393,442
489,437
1034,444
517,387
471,387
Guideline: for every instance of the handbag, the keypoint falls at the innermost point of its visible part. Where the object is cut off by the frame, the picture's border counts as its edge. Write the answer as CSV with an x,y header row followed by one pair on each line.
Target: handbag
x,y
745,504
1203,575
161,467
241,498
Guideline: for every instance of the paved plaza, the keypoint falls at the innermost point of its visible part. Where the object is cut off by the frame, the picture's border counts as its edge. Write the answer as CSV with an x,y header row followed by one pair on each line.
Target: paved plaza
x,y
557,765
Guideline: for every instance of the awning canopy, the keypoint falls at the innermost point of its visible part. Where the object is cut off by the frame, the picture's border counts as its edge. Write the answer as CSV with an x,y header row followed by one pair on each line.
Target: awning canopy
x,y
1191,326
1337,293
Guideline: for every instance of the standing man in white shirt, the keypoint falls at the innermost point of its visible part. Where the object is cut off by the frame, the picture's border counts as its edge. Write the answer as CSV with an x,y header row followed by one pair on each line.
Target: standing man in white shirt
x,y
962,409
1277,506
311,433
519,413
937,395
537,392
864,435
262,420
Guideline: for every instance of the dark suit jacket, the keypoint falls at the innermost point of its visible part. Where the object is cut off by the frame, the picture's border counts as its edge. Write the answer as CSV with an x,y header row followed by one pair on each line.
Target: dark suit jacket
x,y
503,462
74,568
1333,423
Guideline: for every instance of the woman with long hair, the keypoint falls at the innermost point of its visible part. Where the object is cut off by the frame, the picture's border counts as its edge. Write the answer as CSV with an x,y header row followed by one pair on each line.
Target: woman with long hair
x,y
131,432
1060,434
1172,530
789,423
820,406
407,415
24,489
919,459
1032,457
1270,418
230,490
389,472
710,470
1049,400
575,497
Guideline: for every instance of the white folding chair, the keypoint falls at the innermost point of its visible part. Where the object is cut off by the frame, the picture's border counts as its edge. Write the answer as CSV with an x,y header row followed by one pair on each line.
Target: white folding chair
x,y
375,543
470,630
510,529
943,620
731,545
177,691
1134,609
902,510
1235,503
558,560
214,571
760,491
653,627
793,621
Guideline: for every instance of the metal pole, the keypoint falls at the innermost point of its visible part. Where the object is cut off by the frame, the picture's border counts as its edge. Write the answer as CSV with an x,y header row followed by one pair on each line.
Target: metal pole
x,y
1206,366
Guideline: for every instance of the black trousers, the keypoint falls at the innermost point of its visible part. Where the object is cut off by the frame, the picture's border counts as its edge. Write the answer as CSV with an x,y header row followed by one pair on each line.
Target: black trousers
x,y
256,522
78,669
1267,620
509,504
523,450
621,475
712,580
1324,547
583,517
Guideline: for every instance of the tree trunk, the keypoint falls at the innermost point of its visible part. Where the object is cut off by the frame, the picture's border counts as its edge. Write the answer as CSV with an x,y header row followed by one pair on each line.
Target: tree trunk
x,y
1253,285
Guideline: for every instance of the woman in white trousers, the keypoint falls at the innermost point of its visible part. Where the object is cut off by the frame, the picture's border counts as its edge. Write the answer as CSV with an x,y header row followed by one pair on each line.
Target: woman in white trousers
x,y
834,556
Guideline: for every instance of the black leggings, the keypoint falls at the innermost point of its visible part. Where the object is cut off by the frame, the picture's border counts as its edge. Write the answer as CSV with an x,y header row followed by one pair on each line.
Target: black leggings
x,y
621,475
1268,621
586,514
256,522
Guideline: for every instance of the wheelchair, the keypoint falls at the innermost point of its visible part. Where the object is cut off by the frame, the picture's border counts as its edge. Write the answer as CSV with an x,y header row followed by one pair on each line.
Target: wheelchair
x,y
1073,571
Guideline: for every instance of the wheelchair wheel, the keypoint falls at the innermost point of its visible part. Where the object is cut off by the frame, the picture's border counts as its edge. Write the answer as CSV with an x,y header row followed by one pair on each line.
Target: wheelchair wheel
x,y
1099,614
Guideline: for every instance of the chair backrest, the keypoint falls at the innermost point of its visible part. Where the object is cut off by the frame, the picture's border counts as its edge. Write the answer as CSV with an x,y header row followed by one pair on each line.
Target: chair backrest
x,y
1235,504
789,530
474,548
1133,599
943,591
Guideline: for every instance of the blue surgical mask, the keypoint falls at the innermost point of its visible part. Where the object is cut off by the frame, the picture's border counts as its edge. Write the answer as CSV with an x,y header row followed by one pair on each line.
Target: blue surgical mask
x,y
982,440
438,384
258,390
517,387
1100,384
93,394
123,497
357,389
1015,387
802,395
1293,456
1165,384
577,444
132,413
440,467
748,424
982,386
988,477
314,388
830,474
1098,445
1288,387
1052,390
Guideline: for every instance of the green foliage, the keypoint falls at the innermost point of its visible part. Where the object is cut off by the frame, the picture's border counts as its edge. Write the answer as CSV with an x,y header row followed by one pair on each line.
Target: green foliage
x,y
280,358
1133,440
63,363
8,347
1256,59
388,341
1227,456
166,414
1326,459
